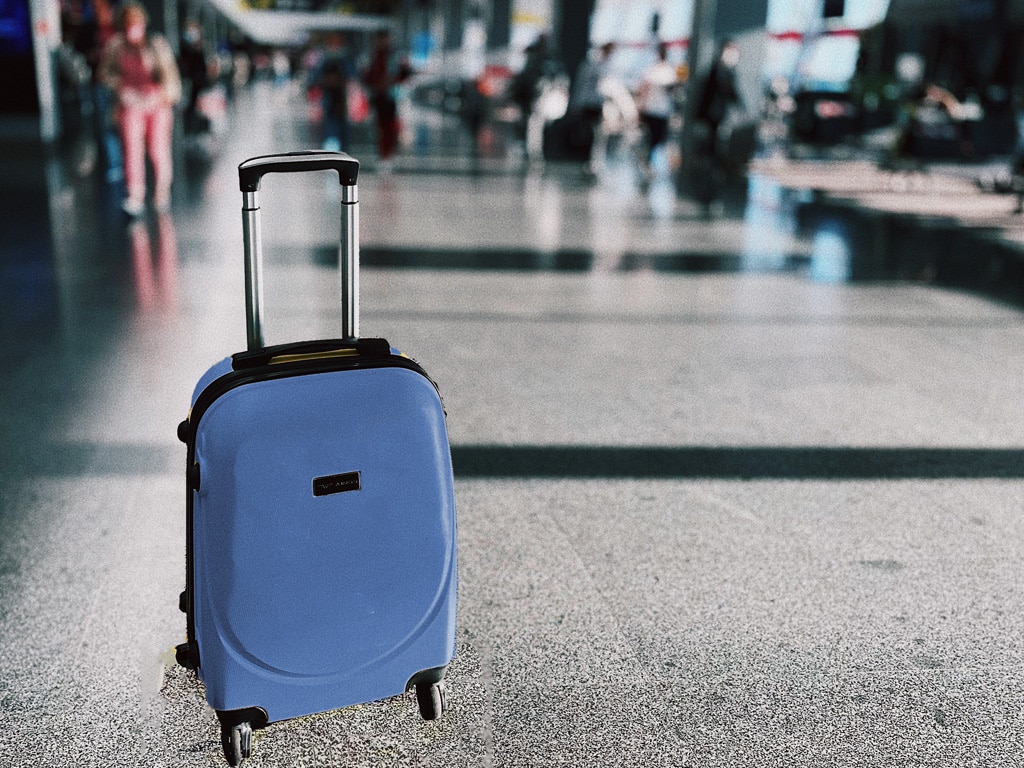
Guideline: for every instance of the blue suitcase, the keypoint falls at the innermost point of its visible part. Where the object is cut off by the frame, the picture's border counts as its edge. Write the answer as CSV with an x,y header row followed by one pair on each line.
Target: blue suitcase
x,y
321,557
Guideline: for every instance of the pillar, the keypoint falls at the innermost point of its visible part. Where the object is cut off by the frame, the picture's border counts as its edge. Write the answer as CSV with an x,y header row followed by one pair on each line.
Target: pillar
x,y
572,31
499,25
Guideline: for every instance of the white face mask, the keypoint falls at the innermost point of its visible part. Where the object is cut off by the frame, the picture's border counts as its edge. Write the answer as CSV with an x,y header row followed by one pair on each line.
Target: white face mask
x,y
135,33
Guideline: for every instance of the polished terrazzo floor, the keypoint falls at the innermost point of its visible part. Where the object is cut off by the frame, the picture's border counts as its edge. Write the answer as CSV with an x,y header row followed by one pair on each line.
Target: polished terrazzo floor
x,y
715,508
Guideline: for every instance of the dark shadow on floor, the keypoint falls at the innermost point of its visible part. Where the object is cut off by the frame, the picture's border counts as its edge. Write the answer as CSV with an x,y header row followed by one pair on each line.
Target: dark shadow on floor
x,y
736,463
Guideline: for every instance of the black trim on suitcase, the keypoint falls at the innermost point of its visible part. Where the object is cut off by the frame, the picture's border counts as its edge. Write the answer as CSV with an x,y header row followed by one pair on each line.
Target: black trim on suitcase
x,y
300,364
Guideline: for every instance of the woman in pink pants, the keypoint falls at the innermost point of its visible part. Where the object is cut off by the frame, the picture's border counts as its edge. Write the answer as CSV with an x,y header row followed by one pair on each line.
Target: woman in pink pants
x,y
140,68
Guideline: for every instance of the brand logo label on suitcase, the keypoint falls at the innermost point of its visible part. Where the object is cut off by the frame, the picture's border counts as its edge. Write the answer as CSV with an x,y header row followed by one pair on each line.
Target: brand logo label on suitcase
x,y
325,486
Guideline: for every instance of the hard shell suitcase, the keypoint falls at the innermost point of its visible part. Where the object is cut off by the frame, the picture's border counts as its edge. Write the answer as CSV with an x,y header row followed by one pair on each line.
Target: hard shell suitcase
x,y
321,557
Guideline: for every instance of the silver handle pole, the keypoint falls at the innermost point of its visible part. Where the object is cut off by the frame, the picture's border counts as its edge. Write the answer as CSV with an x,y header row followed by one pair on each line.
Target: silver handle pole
x,y
253,242
348,256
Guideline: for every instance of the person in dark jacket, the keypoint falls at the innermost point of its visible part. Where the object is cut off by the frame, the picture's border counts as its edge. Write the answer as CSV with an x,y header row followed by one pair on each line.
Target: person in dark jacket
x,y
587,100
332,77
194,66
523,89
718,95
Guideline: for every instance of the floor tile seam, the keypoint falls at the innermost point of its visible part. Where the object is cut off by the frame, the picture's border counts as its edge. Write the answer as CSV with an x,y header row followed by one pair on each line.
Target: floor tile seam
x,y
759,679
700,482
584,566
758,673
767,322
968,669
132,476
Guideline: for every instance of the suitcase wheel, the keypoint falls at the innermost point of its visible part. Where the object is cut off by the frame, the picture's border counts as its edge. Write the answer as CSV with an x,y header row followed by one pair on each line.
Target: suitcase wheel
x,y
237,742
432,700
236,727
183,655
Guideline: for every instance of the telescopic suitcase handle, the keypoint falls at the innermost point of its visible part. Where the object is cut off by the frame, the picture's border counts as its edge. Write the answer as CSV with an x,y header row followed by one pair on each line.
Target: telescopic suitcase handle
x,y
250,174
252,171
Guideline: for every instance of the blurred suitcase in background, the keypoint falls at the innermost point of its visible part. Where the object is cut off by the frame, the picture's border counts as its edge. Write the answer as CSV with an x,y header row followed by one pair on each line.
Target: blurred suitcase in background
x,y
321,556
741,144
568,139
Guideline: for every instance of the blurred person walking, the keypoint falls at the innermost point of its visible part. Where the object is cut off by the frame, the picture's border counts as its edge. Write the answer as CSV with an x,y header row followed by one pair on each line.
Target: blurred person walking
x,y
92,39
656,102
588,96
141,71
717,97
532,88
382,76
332,78
196,70
522,90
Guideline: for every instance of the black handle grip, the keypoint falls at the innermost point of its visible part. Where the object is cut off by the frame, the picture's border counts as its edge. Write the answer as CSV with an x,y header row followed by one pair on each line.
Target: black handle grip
x,y
252,170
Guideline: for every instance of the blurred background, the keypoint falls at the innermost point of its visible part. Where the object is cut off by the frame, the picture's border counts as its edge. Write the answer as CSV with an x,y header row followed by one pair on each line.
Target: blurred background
x,y
891,79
